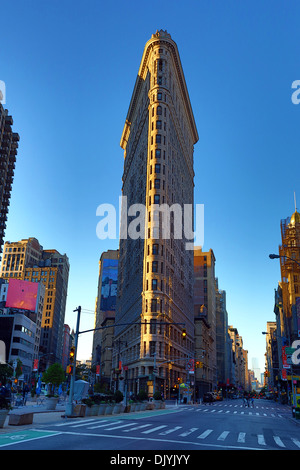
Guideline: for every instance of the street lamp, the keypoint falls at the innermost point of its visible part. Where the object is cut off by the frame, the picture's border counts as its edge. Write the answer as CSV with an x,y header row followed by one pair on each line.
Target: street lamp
x,y
273,256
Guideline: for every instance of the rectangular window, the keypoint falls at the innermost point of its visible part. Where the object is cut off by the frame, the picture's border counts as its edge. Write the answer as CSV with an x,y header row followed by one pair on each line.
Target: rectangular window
x,y
152,327
155,249
154,284
157,168
154,266
158,138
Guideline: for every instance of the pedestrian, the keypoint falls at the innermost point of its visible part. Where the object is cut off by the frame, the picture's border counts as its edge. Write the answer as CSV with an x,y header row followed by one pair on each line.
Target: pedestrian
x,y
25,393
245,399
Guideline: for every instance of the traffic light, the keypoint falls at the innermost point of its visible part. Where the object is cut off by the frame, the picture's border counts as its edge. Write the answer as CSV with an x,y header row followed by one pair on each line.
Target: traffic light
x,y
72,355
183,333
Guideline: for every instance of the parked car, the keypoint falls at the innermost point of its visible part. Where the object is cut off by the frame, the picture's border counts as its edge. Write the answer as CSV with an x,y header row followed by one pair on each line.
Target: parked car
x,y
208,397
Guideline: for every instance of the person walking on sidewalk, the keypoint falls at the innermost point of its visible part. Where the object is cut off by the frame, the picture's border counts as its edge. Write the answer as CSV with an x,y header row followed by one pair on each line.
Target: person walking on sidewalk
x,y
25,393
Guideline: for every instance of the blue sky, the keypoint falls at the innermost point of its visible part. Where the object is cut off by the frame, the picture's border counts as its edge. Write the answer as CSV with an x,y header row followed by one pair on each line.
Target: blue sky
x,y
70,68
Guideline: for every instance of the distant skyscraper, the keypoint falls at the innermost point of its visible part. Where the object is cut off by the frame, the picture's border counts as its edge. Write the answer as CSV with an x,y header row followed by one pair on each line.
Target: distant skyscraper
x,y
105,314
8,152
26,259
156,273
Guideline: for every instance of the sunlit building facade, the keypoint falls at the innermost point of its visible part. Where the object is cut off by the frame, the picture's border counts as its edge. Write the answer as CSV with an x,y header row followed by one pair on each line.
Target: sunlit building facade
x,y
155,284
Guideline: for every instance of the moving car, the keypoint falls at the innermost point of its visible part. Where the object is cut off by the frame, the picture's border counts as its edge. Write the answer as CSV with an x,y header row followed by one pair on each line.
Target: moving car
x,y
209,397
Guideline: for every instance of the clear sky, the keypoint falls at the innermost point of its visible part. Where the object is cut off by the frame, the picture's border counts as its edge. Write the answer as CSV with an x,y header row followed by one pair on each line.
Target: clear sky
x,y
70,67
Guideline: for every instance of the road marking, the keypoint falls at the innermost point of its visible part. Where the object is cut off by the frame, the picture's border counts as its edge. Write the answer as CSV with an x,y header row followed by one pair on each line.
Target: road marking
x,y
121,426
295,441
103,425
154,429
223,436
186,433
68,423
168,431
25,436
173,441
278,441
138,427
205,434
261,440
241,437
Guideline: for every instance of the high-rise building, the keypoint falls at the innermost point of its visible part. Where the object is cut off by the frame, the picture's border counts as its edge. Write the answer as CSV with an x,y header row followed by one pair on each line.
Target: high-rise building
x,y
26,259
155,284
289,252
8,152
105,315
205,301
287,306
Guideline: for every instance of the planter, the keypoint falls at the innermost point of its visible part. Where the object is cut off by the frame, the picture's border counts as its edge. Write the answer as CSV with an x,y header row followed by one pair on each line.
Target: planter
x,y
94,410
102,408
51,403
143,406
108,409
118,408
132,406
150,406
80,410
88,411
3,416
157,404
138,407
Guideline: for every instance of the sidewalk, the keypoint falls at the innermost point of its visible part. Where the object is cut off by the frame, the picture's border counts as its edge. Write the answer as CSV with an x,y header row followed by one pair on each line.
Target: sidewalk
x,y
42,416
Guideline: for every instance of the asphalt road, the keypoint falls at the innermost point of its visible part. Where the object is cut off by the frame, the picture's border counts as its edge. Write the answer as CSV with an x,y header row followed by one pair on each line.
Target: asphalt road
x,y
226,425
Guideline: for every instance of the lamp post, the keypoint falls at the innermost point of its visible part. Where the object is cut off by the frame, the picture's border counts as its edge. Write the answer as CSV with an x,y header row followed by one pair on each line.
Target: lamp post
x,y
273,256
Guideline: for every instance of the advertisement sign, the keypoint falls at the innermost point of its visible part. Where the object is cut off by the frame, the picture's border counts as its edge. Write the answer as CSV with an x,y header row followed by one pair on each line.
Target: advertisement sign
x,y
109,284
22,294
285,364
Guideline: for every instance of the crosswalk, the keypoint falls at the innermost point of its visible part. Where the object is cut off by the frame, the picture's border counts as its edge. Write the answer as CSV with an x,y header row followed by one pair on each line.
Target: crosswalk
x,y
266,411
194,434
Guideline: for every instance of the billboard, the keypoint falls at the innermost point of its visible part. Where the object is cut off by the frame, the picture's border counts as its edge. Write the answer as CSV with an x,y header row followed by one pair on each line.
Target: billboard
x,y
109,284
22,294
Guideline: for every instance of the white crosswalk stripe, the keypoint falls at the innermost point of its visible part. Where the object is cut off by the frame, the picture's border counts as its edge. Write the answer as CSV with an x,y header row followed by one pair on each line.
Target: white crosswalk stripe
x,y
210,436
187,433
278,441
223,436
296,442
261,440
154,429
205,434
241,437
168,431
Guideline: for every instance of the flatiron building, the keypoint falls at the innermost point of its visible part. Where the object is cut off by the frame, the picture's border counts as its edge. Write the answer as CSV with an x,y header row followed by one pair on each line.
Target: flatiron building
x,y
155,275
